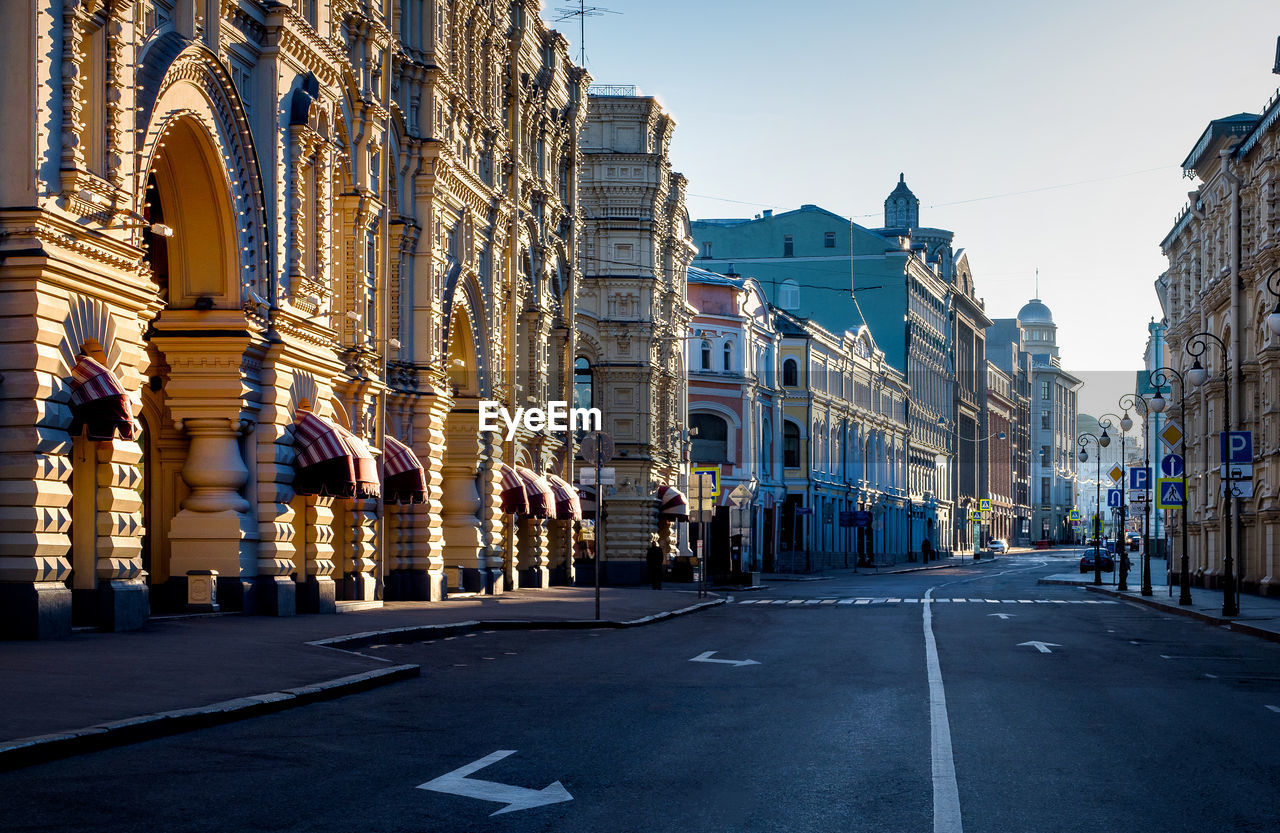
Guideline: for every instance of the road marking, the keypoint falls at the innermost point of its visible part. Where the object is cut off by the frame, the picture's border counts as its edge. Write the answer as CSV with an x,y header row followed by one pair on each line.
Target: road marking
x,y
1042,647
1212,676
1220,659
846,601
705,656
959,600
1275,709
1003,616
516,798
829,601
946,795
867,600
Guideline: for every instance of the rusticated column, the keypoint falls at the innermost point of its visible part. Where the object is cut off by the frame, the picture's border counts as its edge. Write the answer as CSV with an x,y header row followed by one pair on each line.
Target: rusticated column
x,y
362,550
422,559
560,551
463,504
123,602
318,593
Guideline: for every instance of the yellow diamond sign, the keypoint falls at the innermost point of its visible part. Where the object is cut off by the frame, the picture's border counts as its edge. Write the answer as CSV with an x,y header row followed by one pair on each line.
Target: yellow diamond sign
x,y
1171,434
1116,473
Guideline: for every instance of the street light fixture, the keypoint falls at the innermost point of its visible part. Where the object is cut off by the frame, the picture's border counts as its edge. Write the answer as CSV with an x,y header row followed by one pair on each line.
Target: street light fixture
x,y
1273,285
1196,346
1158,378
1083,456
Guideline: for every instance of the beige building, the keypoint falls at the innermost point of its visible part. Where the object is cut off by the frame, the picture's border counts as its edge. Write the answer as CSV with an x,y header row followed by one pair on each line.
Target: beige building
x,y
1222,252
271,215
632,315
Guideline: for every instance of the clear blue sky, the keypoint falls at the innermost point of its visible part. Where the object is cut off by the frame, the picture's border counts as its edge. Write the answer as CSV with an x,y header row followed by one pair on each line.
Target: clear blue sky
x,y
822,102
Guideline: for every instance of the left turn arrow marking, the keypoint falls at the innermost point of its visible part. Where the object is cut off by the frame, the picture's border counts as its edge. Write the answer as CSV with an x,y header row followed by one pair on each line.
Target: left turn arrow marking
x,y
516,798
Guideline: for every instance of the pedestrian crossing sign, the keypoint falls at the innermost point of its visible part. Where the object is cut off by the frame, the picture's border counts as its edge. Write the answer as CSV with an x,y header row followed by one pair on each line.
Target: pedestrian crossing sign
x,y
1171,434
1169,494
1074,515
984,504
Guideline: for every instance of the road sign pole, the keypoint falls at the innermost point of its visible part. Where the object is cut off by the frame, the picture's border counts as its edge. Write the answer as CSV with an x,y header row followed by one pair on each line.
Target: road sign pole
x,y
599,530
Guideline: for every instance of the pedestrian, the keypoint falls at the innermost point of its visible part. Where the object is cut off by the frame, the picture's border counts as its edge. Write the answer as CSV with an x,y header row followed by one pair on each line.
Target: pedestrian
x,y
654,560
926,550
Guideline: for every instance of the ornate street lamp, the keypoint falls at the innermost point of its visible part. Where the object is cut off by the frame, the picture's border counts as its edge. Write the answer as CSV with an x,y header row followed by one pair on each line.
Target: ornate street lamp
x,y
1197,375
1158,378
1122,552
1101,442
1139,404
1273,285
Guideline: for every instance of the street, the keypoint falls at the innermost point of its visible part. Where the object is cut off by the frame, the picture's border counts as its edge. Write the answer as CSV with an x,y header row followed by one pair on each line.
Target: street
x,y
1050,708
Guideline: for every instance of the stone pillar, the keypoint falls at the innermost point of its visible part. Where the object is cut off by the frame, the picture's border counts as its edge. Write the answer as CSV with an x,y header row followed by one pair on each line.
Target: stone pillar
x,y
123,600
275,593
361,561
421,566
461,507
318,593
560,552
531,541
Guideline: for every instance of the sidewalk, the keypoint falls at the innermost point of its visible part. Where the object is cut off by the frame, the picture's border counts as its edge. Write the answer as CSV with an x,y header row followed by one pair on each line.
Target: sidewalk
x,y
95,690
1259,615
894,569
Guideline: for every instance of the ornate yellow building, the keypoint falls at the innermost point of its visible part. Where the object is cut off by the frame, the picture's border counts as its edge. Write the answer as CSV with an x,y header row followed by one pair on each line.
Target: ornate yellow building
x,y
353,215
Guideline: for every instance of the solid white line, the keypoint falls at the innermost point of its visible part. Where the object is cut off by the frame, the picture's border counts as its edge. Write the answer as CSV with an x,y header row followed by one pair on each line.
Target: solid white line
x,y
946,794
1274,709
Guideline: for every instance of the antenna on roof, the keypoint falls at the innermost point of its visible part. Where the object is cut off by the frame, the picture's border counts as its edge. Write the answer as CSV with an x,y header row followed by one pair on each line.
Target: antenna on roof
x,y
582,11
1037,281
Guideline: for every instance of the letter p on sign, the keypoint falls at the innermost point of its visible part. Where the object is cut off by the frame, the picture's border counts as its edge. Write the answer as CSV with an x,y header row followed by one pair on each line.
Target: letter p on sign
x,y
1237,446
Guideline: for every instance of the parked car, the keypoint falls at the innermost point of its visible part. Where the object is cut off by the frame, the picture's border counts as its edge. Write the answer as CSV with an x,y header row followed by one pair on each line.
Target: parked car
x,y
1135,540
998,545
1086,562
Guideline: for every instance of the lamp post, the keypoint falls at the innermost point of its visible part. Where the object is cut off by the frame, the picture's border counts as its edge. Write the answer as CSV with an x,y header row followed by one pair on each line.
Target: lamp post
x,y
1159,378
1101,443
1122,553
1197,375
1139,404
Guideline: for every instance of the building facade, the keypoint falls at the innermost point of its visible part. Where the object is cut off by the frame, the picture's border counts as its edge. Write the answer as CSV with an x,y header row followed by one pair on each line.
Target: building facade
x,y
1014,364
252,217
632,315
1002,419
1222,254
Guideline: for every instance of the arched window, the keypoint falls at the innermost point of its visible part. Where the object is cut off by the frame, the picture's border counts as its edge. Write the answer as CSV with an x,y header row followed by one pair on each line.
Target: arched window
x,y
706,355
790,373
710,439
791,445
582,388
728,355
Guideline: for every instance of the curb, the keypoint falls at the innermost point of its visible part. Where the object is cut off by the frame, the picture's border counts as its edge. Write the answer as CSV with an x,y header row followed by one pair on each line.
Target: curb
x,y
979,563
1221,621
417,633
41,748
24,752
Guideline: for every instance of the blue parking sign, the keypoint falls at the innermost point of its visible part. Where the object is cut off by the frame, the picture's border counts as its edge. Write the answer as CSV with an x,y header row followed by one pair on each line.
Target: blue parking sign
x,y
1114,497
1236,446
1140,478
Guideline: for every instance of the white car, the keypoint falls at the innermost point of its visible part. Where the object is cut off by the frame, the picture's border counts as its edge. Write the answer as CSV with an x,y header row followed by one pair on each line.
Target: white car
x,y
998,545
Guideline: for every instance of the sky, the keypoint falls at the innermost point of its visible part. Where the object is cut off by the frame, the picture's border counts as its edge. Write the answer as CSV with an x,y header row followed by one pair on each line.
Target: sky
x,y
1046,136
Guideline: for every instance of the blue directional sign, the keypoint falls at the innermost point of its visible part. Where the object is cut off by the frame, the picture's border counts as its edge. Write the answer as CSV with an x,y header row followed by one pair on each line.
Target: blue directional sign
x,y
1169,494
1171,465
1140,478
1236,446
1114,497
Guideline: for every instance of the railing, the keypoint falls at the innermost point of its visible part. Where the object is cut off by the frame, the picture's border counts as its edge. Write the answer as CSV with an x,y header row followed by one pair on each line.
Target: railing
x,y
612,89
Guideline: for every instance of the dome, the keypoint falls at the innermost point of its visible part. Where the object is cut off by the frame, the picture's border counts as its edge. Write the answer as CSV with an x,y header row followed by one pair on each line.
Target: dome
x,y
1035,312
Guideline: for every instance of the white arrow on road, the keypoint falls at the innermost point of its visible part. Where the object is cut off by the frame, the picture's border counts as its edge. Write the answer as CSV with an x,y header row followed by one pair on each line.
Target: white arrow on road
x,y
516,798
1002,615
1042,647
705,656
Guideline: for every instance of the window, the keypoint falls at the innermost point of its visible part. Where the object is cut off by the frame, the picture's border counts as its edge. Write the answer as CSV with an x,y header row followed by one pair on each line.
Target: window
x,y
788,246
789,295
1046,420
1046,456
706,248
710,438
582,389
1046,392
790,373
706,355
728,355
370,283
1045,491
766,448
829,240
791,445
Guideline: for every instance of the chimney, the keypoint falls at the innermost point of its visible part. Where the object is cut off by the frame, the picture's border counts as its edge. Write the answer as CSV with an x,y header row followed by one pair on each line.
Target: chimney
x,y
768,212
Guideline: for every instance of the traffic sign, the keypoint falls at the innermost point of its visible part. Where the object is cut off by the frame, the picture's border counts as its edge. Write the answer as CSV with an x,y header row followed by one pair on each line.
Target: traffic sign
x,y
1236,446
597,442
1114,497
1074,515
975,515
1171,465
608,476
740,494
1171,434
1137,497
1240,471
1169,493
1140,478
1239,488
713,472
1116,473
984,504
846,518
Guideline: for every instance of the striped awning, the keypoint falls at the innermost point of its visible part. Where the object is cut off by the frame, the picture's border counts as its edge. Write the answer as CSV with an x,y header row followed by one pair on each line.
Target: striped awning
x,y
99,403
542,500
672,505
405,481
587,500
514,500
331,460
568,506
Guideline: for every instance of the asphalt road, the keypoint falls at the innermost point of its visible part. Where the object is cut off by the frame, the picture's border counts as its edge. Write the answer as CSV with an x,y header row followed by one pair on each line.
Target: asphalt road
x,y
1128,719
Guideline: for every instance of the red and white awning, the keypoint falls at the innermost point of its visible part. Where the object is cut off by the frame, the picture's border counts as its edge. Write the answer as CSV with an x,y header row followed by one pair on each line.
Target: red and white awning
x,y
672,504
568,506
99,403
542,500
514,501
405,481
331,460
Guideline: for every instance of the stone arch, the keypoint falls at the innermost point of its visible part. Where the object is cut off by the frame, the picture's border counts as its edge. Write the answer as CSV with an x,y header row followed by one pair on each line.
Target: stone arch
x,y
185,93
464,301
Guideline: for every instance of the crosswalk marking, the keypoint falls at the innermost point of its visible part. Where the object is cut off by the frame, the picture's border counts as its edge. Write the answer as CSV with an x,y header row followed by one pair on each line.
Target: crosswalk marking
x,y
882,600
